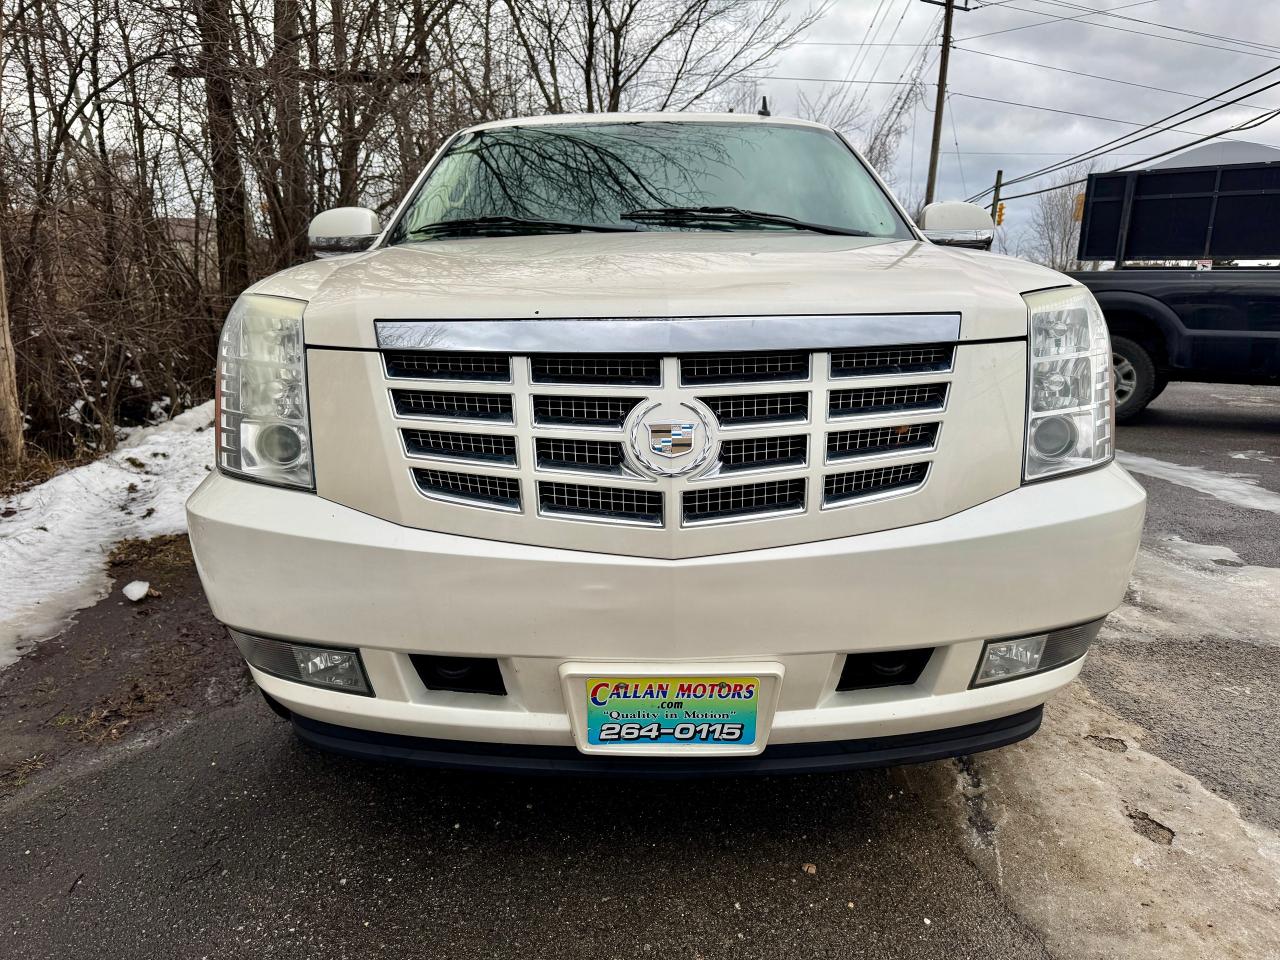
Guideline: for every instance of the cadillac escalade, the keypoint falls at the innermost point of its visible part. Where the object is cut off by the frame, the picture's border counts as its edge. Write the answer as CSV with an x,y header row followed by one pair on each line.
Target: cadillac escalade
x,y
662,444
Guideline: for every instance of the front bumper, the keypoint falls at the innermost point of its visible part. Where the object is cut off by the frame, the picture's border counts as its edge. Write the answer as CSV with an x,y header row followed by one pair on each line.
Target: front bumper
x,y
785,758
290,565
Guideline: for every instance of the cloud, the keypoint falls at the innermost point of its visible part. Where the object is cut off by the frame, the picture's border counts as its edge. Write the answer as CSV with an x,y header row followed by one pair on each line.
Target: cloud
x,y
1020,139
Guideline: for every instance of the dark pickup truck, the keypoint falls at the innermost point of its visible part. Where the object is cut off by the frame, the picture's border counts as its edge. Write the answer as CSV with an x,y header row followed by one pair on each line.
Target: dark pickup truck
x,y
1219,326
1216,323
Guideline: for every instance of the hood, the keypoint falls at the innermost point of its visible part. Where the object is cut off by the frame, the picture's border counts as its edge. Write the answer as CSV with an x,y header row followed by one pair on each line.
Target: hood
x,y
657,274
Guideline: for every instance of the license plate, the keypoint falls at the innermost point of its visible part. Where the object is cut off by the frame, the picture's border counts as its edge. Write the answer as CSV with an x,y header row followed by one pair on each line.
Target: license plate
x,y
672,710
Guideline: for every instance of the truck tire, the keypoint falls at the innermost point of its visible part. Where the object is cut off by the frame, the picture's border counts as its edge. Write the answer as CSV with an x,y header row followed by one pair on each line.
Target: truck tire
x,y
1135,378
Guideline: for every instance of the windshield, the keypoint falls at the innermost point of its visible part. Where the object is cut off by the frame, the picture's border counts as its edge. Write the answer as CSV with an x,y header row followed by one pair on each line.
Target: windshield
x,y
598,173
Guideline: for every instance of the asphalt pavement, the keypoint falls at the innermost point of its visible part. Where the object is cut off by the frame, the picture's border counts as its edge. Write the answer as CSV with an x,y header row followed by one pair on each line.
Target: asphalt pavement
x,y
217,834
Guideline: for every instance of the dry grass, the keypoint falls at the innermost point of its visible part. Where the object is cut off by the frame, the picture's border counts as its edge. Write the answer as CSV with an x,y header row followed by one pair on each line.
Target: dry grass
x,y
35,468
16,775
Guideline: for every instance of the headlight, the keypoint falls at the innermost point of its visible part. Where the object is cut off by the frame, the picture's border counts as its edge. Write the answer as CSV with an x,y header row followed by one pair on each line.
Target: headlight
x,y
1070,407
263,429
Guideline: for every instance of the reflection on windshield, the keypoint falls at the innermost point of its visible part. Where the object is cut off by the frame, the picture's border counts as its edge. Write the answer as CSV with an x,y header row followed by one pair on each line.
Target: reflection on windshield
x,y
594,173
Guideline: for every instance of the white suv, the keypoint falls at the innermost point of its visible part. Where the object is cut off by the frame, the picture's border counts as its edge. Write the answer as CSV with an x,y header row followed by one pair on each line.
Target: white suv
x,y
661,443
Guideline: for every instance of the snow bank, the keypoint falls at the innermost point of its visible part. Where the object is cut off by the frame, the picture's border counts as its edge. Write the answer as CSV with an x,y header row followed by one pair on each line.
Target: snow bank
x,y
53,549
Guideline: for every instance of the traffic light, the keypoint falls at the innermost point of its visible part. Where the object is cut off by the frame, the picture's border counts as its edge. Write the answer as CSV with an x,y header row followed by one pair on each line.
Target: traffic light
x,y
999,213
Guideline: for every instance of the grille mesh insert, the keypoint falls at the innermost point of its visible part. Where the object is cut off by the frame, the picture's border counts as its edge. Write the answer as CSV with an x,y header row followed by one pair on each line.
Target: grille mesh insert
x,y
720,503
839,487
602,455
584,368
492,491
463,446
618,503
759,408
878,361
926,396
856,443
583,411
756,452
743,368
462,406
448,366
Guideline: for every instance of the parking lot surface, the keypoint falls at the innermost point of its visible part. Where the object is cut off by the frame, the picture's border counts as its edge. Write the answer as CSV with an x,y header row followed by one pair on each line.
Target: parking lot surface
x,y
1141,821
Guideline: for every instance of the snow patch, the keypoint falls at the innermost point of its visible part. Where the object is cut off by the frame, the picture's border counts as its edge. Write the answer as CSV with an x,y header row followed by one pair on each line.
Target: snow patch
x,y
136,590
1230,488
1182,875
1180,588
53,549
1260,455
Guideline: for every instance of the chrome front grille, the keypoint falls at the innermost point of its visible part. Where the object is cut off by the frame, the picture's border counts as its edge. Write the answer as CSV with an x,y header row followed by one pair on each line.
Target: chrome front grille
x,y
434,365
562,435
748,499
735,411
501,492
581,411
871,400
743,368
879,361
756,453
601,503
840,487
843,444
621,369
556,453
453,406
460,446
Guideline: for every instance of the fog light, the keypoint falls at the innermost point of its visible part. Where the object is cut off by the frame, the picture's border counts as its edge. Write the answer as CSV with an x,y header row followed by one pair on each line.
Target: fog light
x,y
1023,656
1011,658
325,667
1054,437
280,444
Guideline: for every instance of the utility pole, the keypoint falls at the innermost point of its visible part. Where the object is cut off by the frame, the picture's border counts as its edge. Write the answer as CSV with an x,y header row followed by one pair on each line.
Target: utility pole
x,y
949,8
995,193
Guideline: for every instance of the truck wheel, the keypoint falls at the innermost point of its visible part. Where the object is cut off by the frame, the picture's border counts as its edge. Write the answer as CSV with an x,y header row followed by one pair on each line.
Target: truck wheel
x,y
1135,378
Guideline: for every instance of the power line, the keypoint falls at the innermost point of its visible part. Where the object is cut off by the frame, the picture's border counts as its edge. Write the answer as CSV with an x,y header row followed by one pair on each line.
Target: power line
x,y
1246,125
1038,23
1096,76
955,138
1111,14
1130,139
1085,116
853,43
1110,26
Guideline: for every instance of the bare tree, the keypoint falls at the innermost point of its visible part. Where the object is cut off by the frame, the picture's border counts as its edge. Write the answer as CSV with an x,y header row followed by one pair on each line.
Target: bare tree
x,y
609,55
156,158
10,412
876,133
1054,231
214,20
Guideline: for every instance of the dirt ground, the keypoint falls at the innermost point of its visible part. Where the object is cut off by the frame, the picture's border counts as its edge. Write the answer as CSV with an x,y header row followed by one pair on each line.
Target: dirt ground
x,y
123,670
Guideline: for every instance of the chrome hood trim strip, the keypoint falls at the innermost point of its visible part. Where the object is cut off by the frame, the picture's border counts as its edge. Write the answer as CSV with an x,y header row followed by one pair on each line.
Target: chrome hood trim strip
x,y
668,335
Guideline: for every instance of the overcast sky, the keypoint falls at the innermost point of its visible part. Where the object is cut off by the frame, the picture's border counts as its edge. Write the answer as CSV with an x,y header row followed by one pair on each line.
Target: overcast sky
x,y
1021,139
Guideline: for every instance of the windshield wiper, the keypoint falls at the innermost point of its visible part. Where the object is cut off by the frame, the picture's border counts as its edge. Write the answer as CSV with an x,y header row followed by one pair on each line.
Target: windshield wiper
x,y
731,215
512,225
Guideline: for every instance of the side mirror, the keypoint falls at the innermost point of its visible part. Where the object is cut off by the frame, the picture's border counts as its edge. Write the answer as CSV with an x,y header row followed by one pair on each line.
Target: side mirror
x,y
343,230
955,224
